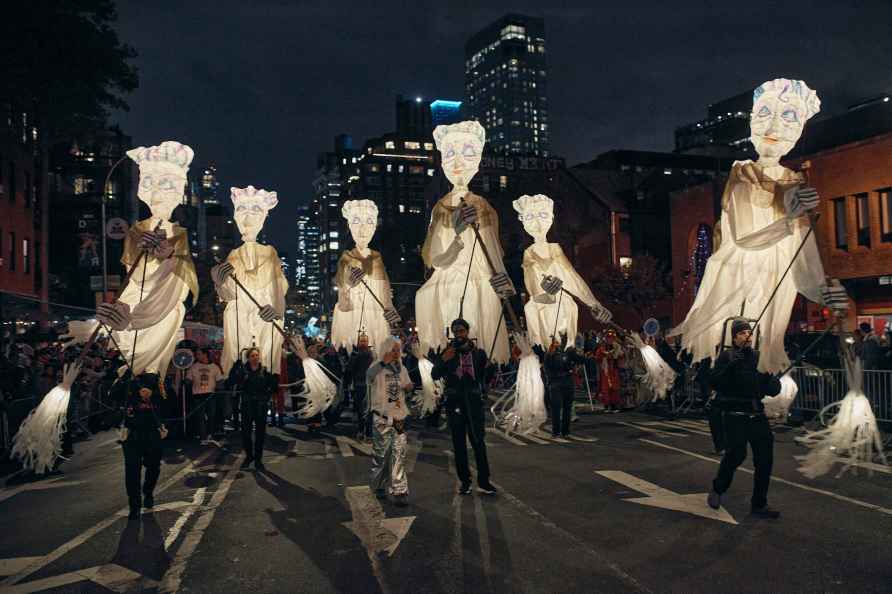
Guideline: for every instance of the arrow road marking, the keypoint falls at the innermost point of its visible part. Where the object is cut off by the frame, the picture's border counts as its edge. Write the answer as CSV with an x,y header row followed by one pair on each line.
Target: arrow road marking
x,y
657,496
111,576
53,483
370,524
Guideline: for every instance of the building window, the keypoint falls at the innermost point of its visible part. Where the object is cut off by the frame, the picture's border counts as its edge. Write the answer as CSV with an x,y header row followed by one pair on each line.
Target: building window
x,y
389,168
374,167
839,224
412,145
12,252
26,256
430,172
863,203
428,146
886,218
400,169
402,207
417,169
503,182
389,145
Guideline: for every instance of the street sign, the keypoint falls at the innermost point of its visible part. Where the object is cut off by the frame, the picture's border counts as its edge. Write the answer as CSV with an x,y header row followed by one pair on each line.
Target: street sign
x,y
116,228
651,327
183,358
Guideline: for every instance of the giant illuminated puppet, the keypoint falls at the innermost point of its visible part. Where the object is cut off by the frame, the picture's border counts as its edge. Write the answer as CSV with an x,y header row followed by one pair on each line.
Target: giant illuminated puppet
x,y
763,223
146,317
364,296
259,270
550,312
463,284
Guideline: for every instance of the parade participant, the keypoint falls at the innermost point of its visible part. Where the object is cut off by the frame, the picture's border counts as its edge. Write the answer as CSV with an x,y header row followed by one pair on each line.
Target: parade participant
x,y
355,381
389,382
150,310
364,295
141,441
464,368
203,377
257,386
462,284
740,388
259,269
559,364
763,227
546,270
608,355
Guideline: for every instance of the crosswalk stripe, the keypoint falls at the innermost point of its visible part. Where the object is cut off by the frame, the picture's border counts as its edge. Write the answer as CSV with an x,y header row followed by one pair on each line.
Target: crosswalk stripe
x,y
672,425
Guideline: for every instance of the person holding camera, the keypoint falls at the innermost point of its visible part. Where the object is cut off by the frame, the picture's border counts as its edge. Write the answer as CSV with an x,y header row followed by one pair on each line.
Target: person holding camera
x,y
463,368
257,386
740,388
389,381
141,438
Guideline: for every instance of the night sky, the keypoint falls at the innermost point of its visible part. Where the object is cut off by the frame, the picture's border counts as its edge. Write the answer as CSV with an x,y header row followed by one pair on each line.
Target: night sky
x,y
258,88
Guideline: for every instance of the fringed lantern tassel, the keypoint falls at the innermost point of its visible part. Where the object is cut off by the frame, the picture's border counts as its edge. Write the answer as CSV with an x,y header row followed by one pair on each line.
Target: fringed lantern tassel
x,y
320,390
777,407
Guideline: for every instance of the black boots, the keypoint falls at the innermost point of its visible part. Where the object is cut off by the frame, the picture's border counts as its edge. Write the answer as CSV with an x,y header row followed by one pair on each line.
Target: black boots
x,y
148,500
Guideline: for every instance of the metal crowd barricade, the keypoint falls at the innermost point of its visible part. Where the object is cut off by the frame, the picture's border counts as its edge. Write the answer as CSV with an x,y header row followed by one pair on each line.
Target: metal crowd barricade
x,y
821,387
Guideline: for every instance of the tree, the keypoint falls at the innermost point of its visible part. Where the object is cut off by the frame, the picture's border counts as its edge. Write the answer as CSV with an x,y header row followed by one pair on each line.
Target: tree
x,y
638,285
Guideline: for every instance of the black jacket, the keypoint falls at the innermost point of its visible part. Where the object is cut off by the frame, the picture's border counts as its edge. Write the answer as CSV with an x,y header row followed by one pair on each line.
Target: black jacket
x,y
456,388
559,365
258,385
738,384
357,365
142,416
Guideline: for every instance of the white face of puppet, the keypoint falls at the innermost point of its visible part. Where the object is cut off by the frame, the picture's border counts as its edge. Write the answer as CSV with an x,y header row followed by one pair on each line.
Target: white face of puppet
x,y
161,189
460,153
250,216
775,125
537,220
362,223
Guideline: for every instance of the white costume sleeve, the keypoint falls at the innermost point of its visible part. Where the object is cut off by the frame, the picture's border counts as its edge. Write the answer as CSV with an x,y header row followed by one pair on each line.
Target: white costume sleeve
x,y
164,291
744,229
574,283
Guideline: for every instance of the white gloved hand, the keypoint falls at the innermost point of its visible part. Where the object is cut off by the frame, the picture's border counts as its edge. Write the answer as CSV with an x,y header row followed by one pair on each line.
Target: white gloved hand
x,y
356,276
221,272
800,200
551,284
114,315
601,313
268,314
834,296
502,285
392,317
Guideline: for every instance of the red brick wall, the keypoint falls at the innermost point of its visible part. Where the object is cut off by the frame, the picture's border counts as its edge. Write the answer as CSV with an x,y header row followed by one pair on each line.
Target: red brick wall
x,y
16,218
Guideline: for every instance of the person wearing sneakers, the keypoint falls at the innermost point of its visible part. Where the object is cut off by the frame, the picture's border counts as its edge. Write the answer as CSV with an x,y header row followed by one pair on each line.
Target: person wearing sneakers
x,y
389,381
464,369
740,388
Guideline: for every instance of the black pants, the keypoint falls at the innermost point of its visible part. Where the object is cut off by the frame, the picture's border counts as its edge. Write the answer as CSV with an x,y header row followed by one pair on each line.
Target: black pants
x,y
139,452
253,419
363,425
738,431
206,414
561,400
716,428
466,424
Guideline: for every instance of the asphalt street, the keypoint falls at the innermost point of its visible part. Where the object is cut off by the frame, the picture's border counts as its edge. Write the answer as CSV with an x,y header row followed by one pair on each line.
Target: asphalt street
x,y
618,508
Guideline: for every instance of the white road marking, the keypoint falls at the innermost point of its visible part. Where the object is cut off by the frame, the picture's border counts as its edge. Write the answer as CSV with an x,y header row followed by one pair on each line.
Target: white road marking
x,y
504,436
857,502
111,576
702,425
483,538
547,437
583,439
371,525
15,564
651,430
83,537
174,532
657,496
172,578
672,425
532,438
53,483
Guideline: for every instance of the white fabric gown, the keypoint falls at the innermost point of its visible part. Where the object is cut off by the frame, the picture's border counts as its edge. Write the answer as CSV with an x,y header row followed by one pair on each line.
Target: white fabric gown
x,y
438,301
259,269
541,316
757,245
156,304
363,310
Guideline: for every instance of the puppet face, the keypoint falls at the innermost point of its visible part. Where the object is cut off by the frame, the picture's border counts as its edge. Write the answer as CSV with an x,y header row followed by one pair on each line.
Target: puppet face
x,y
537,220
776,124
250,216
461,153
362,223
161,188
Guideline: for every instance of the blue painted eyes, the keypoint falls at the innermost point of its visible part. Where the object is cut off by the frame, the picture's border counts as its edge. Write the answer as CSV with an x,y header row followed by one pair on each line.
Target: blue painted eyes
x,y
789,115
531,216
469,151
764,112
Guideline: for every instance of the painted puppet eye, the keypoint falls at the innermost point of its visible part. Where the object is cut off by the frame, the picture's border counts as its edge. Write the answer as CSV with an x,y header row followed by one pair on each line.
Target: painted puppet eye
x,y
789,115
450,154
166,184
764,112
146,181
469,151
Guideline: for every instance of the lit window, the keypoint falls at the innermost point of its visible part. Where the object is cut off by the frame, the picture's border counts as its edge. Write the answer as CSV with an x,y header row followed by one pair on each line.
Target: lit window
x,y
503,181
402,208
333,234
401,168
428,146
625,263
389,144
389,167
430,172
332,245
412,145
344,161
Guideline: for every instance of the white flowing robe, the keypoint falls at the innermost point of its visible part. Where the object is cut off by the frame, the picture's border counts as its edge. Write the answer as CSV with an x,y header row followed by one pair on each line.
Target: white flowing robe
x,y
156,303
259,269
356,309
438,301
757,244
540,311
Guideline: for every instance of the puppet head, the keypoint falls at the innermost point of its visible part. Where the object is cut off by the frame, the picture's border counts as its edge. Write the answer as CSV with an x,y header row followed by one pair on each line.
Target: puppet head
x,y
461,147
162,175
251,206
536,213
780,110
362,218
